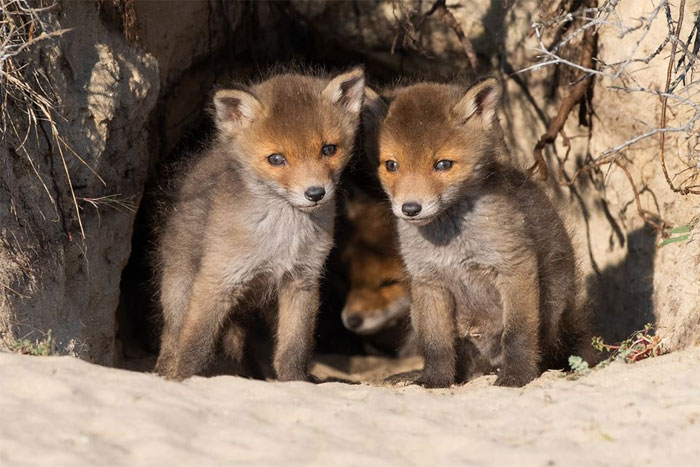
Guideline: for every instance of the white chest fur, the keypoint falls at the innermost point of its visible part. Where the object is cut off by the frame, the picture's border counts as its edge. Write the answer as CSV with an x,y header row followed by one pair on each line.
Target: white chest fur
x,y
283,240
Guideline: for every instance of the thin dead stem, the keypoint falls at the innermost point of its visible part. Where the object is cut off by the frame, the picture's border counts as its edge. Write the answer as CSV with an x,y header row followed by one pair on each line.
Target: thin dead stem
x,y
664,103
448,18
26,99
410,24
578,92
588,18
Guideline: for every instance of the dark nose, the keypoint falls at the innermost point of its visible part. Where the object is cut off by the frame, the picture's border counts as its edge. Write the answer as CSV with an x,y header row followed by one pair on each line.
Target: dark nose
x,y
315,193
354,321
411,209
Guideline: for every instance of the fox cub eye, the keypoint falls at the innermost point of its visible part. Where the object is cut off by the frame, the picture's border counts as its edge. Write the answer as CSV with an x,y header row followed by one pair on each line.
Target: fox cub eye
x,y
276,159
391,166
443,165
328,149
389,282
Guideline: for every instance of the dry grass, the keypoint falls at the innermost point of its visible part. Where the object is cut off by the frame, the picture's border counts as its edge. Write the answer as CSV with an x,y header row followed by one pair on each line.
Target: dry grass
x,y
27,103
116,201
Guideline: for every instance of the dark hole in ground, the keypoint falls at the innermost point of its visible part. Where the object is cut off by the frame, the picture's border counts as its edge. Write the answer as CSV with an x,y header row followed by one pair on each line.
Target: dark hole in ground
x,y
299,45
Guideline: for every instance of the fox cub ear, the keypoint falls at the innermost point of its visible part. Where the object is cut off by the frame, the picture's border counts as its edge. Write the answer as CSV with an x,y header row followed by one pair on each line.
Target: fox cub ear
x,y
374,110
347,90
235,109
481,100
375,107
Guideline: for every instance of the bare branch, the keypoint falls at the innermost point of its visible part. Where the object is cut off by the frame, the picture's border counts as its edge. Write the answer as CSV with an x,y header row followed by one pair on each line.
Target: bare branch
x,y
664,104
410,27
577,93
448,18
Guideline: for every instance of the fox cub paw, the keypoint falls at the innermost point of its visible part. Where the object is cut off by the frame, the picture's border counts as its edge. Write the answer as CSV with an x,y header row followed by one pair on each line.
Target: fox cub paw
x,y
404,379
285,376
514,379
418,377
165,367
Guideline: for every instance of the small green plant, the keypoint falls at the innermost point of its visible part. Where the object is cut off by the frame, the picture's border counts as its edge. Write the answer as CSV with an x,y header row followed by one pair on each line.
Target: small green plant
x,y
678,234
642,344
579,367
44,347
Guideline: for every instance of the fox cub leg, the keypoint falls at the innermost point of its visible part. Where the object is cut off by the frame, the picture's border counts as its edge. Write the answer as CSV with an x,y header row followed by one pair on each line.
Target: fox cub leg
x,y
470,362
233,340
296,323
209,304
432,313
521,305
175,289
168,347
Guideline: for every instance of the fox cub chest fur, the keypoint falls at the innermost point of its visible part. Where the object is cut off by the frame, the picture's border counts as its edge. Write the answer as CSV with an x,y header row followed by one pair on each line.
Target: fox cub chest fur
x,y
252,221
491,265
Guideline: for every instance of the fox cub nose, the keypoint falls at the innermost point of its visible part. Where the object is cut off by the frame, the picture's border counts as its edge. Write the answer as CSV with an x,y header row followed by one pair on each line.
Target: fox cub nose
x,y
411,209
354,321
315,193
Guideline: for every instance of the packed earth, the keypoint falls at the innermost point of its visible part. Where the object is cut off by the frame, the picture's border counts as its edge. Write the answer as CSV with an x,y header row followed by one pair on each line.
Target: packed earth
x,y
64,411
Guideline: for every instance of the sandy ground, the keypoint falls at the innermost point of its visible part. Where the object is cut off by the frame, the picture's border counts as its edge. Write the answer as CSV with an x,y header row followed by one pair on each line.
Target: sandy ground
x,y
63,411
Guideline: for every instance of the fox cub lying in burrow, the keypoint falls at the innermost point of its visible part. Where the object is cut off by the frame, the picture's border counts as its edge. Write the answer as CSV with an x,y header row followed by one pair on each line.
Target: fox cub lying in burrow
x,y
252,222
377,306
491,265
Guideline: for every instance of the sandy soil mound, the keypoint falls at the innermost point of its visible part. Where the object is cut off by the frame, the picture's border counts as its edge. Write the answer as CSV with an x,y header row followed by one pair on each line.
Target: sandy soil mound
x,y
63,411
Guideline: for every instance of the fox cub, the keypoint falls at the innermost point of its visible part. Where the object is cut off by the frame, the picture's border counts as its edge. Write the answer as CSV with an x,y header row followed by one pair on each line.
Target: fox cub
x,y
378,304
491,265
252,222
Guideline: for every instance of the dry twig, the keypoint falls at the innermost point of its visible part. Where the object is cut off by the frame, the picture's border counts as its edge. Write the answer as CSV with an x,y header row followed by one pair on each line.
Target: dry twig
x,y
448,18
682,91
577,93
664,103
411,28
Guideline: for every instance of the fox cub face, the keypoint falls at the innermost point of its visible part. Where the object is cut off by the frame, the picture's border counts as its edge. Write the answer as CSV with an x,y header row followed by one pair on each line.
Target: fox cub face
x,y
378,295
434,145
293,134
